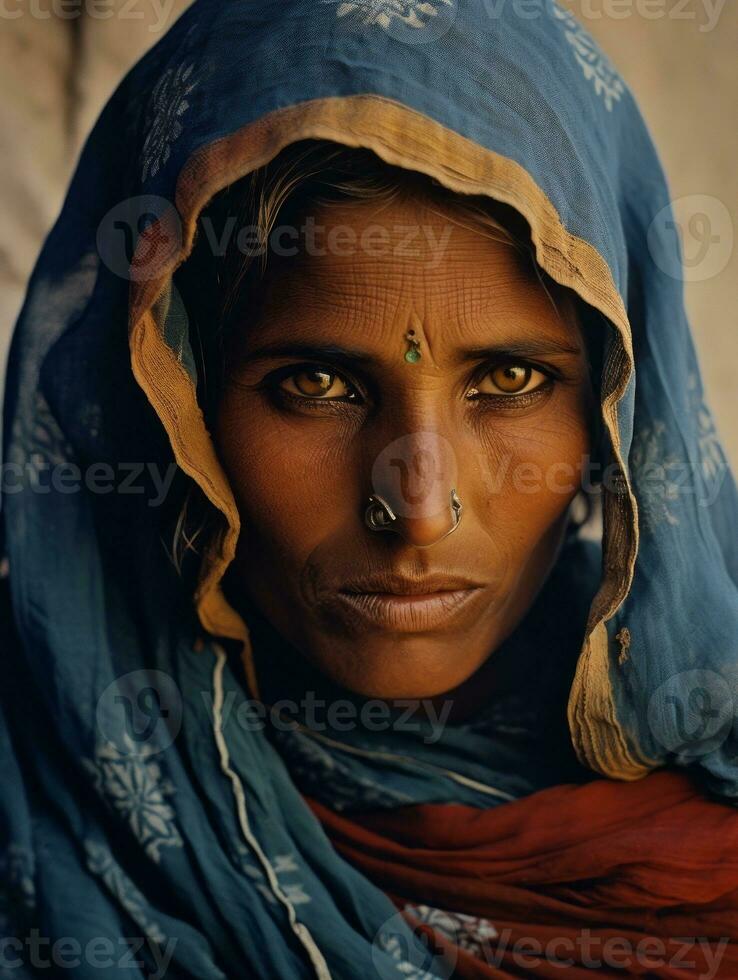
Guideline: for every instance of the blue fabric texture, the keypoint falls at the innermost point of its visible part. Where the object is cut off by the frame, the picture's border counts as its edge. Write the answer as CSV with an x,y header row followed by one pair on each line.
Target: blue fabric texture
x,y
137,800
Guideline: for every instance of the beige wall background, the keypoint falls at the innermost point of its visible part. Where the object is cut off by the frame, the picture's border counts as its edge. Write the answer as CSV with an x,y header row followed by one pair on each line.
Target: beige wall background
x,y
677,56
681,65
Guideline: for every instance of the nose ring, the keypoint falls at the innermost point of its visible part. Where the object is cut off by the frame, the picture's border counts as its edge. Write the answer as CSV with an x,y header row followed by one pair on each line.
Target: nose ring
x,y
379,516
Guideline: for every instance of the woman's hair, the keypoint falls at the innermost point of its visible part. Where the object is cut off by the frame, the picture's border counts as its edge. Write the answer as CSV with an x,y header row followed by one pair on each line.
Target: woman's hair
x,y
219,282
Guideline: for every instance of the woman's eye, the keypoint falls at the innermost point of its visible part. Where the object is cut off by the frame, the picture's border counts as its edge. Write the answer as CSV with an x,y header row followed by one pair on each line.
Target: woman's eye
x,y
317,383
511,379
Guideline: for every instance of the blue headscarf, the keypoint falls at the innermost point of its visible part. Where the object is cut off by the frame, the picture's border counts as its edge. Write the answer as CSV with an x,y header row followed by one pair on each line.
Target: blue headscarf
x,y
144,794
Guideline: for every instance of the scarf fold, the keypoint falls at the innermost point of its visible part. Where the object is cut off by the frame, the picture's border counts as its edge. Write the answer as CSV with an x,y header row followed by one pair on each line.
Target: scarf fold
x,y
602,872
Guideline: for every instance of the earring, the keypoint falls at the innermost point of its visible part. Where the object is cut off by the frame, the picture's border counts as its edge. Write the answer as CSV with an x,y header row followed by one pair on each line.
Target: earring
x,y
413,354
379,515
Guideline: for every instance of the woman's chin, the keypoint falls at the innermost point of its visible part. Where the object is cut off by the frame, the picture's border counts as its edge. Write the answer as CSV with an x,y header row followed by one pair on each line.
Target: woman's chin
x,y
401,667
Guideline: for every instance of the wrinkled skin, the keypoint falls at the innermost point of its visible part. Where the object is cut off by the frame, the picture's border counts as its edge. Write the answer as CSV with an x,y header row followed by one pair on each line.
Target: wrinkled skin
x,y
303,470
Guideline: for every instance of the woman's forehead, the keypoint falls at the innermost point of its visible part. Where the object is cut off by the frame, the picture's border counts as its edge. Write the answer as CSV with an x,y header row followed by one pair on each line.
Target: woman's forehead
x,y
451,341
481,292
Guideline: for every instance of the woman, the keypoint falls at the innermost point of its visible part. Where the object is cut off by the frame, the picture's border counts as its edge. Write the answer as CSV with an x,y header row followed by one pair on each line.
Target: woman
x,y
325,678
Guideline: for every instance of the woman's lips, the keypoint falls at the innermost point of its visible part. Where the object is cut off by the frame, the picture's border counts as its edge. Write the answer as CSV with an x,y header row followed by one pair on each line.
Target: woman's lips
x,y
407,613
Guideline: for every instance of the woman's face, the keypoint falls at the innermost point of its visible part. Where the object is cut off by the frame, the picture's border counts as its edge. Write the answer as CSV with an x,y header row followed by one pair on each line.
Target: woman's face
x,y
321,409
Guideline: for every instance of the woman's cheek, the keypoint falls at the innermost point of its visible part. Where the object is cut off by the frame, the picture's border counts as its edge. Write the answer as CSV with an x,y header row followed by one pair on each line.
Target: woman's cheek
x,y
279,471
252,456
542,460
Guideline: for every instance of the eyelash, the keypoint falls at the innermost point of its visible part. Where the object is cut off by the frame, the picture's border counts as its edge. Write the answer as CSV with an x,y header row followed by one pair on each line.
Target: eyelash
x,y
519,400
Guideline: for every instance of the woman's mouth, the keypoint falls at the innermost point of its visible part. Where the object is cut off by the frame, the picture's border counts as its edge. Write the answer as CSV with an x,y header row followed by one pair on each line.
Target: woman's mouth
x,y
413,613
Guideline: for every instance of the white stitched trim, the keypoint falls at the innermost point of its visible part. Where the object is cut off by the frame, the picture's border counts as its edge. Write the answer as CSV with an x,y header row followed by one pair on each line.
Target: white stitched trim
x,y
301,931
457,776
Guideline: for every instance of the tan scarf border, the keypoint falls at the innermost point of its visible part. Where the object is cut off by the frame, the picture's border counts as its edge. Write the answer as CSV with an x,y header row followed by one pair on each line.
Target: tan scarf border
x,y
402,137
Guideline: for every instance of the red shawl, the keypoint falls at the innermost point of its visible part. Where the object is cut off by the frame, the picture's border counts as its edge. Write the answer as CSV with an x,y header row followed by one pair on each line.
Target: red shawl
x,y
624,879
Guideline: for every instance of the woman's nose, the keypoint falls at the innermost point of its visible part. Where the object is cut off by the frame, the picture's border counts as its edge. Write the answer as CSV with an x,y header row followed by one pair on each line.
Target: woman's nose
x,y
414,489
418,531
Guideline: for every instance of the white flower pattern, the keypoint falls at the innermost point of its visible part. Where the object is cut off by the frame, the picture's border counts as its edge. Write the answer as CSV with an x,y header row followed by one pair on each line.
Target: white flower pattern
x,y
250,867
132,784
329,779
595,65
712,460
38,442
284,865
101,862
469,932
17,888
655,476
163,119
393,947
413,13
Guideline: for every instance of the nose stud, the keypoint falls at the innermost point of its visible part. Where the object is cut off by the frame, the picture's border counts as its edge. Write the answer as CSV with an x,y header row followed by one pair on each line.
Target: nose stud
x,y
379,515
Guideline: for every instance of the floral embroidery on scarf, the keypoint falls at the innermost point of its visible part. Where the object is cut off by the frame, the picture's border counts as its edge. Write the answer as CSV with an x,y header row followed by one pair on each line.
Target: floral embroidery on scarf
x,y
38,442
17,888
132,784
296,894
167,105
250,867
655,476
285,865
90,418
327,778
469,932
414,13
394,948
101,862
596,66
712,461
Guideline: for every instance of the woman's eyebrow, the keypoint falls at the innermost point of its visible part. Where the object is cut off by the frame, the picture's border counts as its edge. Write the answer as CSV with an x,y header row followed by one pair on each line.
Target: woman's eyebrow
x,y
535,347
314,351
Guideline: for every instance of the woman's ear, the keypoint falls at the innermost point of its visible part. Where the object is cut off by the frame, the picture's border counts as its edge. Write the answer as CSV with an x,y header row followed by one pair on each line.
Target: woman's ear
x,y
581,511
